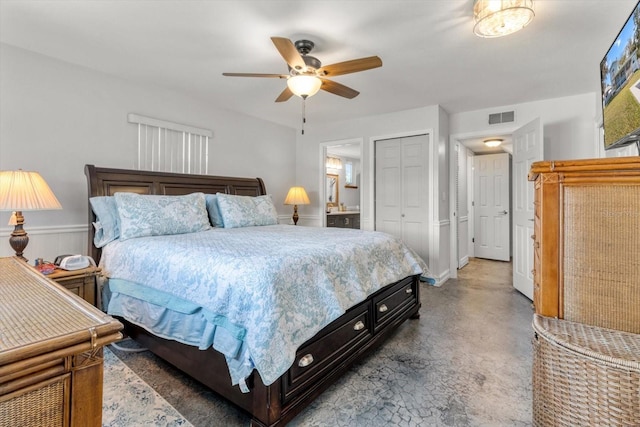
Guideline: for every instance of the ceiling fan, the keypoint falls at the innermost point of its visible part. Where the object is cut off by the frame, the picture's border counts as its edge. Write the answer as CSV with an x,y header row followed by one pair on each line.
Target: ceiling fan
x,y
306,73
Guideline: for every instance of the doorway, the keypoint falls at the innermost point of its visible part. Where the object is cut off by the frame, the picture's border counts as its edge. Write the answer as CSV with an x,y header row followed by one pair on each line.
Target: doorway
x,y
492,206
473,214
526,146
341,178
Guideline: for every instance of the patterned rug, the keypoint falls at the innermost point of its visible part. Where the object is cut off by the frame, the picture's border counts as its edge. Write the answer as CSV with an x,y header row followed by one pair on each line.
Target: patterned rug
x,y
129,401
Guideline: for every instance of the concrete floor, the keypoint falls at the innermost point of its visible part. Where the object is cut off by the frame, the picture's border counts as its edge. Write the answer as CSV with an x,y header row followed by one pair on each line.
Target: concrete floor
x,y
465,362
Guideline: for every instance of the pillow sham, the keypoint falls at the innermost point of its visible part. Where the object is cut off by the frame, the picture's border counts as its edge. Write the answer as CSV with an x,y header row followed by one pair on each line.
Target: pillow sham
x,y
107,225
151,215
213,210
246,211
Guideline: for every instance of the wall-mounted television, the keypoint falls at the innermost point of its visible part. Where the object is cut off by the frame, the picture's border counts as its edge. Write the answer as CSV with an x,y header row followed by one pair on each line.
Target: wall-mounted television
x,y
620,85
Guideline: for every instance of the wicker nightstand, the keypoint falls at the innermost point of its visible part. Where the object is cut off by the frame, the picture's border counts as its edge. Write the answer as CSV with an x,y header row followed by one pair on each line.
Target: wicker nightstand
x,y
51,360
81,282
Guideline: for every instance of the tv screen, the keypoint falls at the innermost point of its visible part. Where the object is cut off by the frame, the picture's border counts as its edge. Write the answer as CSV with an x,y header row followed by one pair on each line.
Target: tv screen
x,y
620,75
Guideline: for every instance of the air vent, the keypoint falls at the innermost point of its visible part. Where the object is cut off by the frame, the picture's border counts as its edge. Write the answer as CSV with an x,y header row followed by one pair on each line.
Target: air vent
x,y
505,117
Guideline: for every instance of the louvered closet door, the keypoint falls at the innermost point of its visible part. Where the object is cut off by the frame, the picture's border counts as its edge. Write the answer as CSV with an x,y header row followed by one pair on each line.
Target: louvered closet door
x,y
401,188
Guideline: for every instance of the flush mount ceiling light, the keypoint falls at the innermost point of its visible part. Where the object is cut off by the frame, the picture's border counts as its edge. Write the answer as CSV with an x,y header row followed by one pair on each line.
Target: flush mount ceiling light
x,y
492,143
497,18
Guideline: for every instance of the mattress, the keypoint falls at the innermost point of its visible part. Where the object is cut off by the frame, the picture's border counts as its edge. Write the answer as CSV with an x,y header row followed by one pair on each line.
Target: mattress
x,y
253,293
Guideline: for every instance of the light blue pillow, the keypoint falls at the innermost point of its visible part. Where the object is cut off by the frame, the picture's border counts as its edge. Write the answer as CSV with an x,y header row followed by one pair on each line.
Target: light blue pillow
x,y
246,211
107,225
212,209
149,215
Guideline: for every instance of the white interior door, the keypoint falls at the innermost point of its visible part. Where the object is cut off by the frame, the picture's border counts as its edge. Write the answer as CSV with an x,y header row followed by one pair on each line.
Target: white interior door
x,y
388,187
528,147
462,204
492,207
401,190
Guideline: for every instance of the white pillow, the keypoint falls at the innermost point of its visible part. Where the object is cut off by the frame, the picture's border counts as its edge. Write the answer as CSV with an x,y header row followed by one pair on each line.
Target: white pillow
x,y
246,211
149,215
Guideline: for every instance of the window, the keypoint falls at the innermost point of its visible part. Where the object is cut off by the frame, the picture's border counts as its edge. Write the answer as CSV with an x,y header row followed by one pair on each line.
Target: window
x,y
348,173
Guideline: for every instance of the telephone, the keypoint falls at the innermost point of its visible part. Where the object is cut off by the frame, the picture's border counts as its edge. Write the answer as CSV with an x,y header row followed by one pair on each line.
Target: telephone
x,y
73,262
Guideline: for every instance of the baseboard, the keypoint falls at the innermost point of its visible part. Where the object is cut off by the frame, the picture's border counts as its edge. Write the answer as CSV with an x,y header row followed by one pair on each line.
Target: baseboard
x,y
442,277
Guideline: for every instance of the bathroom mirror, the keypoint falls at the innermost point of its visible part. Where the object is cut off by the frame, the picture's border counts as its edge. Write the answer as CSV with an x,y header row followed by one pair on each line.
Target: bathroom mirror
x,y
332,190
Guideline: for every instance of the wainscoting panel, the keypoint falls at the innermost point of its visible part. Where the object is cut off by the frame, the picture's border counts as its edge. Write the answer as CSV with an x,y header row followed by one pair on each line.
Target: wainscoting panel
x,y
440,255
48,242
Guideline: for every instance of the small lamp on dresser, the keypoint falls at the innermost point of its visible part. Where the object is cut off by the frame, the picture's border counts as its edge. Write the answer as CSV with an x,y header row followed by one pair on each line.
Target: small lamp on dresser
x,y
24,191
296,196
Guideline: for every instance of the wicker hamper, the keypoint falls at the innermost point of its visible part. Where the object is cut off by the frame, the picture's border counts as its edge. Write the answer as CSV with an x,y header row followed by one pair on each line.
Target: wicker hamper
x,y
584,375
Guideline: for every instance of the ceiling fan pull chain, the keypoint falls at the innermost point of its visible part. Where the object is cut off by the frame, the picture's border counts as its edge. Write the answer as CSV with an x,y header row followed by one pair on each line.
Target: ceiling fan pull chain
x,y
304,113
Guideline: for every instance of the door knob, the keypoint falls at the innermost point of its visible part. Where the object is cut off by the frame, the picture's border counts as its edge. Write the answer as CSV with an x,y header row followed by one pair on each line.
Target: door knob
x,y
503,213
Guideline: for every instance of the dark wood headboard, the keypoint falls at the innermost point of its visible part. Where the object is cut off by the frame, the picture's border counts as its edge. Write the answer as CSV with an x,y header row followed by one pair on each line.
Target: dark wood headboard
x,y
106,182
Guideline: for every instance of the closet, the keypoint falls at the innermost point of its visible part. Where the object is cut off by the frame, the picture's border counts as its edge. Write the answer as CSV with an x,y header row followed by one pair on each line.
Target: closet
x,y
402,190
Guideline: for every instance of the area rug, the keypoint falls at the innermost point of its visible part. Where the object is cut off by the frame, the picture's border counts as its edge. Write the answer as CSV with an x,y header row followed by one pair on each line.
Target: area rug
x,y
129,401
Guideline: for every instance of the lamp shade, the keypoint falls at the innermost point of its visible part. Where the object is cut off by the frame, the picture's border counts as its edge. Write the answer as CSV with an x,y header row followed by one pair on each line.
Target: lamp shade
x,y
497,18
297,196
25,191
304,85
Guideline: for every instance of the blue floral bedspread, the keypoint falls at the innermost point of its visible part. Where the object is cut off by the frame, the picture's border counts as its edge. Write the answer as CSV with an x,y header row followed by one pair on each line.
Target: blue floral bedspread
x,y
263,291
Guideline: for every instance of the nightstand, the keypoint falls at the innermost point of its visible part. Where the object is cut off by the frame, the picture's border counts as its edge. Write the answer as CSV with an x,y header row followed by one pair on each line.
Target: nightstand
x,y
51,357
81,282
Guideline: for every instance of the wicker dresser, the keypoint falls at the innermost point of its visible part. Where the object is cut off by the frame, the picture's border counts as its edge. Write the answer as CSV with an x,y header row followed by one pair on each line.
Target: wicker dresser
x,y
586,368
50,351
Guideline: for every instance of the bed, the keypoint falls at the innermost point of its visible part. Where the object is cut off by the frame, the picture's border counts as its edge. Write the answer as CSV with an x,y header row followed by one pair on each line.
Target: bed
x,y
323,341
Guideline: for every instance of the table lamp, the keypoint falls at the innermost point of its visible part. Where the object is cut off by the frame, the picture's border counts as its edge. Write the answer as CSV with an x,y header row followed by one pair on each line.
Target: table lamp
x,y
24,191
296,196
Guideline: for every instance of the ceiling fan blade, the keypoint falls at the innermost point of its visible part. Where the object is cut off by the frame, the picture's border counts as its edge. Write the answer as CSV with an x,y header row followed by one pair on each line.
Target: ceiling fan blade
x,y
289,52
338,89
279,76
352,66
285,95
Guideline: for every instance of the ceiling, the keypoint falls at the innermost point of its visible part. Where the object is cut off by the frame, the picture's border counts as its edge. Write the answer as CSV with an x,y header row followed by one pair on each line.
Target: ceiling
x,y
428,49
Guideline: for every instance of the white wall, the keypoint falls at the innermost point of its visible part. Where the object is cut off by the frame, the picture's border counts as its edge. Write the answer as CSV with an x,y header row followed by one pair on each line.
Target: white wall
x,y
431,119
571,127
56,117
569,124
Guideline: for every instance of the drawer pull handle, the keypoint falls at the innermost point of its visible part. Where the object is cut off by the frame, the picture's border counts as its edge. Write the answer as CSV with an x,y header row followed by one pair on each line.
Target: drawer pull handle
x,y
408,291
358,326
383,308
305,360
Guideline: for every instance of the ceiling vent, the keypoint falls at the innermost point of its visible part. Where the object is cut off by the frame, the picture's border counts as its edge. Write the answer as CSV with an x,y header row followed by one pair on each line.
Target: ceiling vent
x,y
505,117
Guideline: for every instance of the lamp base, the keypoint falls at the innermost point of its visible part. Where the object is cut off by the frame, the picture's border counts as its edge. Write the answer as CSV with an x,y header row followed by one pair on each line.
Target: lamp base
x,y
295,214
19,238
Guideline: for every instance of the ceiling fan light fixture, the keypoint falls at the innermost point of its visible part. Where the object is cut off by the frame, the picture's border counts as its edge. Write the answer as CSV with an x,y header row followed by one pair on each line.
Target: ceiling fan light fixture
x,y
493,142
497,18
304,85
